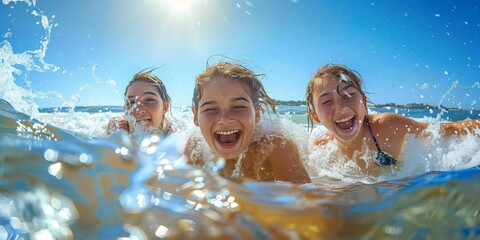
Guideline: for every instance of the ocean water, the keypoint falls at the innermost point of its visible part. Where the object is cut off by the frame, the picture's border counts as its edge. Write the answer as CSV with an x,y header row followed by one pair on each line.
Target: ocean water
x,y
62,177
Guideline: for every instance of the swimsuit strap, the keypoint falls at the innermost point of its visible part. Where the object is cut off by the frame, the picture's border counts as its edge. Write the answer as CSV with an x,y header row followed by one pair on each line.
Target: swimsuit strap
x,y
373,135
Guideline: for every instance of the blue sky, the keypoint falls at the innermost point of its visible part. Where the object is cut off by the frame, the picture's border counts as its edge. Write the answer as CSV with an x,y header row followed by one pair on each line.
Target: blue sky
x,y
406,51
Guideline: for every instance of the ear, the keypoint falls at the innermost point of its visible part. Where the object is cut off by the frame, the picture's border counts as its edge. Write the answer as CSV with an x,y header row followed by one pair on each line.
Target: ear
x,y
365,102
257,113
165,107
315,117
195,116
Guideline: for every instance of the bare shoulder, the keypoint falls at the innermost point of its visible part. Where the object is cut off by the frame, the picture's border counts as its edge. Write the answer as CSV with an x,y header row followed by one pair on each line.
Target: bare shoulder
x,y
324,139
398,123
272,144
286,162
283,142
284,149
386,118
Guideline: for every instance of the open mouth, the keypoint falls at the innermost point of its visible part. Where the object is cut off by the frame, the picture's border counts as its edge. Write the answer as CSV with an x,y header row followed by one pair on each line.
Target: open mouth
x,y
143,122
228,137
347,123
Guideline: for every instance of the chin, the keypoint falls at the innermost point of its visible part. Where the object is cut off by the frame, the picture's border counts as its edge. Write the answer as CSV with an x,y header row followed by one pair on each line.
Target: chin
x,y
346,138
228,155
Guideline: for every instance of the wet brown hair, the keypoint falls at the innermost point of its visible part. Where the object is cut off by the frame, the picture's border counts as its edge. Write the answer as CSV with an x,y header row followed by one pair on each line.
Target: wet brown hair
x,y
235,72
331,72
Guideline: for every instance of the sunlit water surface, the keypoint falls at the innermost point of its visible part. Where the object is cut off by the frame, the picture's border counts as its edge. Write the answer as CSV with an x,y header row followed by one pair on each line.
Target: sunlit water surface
x,y
75,181
62,177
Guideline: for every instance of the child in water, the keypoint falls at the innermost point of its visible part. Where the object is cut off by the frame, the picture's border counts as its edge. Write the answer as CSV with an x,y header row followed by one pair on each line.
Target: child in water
x,y
146,103
336,99
227,105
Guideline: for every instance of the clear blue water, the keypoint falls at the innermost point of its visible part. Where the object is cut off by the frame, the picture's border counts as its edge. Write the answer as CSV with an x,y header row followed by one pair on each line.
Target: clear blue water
x,y
59,184
61,177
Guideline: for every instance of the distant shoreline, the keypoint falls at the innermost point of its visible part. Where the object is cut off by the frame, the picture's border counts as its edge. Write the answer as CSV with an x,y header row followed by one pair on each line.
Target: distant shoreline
x,y
385,105
290,103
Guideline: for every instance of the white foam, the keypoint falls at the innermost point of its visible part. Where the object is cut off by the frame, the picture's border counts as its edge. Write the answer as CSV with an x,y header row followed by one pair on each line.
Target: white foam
x,y
421,155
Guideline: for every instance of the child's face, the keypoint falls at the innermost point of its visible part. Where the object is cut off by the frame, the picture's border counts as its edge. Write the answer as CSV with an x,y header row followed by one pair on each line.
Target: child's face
x,y
342,114
226,116
145,104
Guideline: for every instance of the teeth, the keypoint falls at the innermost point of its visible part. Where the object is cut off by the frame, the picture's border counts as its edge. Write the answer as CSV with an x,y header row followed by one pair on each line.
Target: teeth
x,y
227,132
344,119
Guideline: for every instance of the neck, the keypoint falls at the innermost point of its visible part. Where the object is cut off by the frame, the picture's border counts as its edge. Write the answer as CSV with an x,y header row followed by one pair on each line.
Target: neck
x,y
348,148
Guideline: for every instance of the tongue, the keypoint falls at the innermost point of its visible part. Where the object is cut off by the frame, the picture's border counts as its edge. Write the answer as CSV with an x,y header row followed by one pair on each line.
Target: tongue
x,y
345,125
227,139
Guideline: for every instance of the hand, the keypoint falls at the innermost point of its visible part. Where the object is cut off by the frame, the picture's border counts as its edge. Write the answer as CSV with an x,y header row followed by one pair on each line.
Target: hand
x,y
117,123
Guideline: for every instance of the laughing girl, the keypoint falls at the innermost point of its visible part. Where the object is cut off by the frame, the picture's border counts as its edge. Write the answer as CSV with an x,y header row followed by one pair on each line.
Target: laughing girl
x,y
228,102
335,98
146,103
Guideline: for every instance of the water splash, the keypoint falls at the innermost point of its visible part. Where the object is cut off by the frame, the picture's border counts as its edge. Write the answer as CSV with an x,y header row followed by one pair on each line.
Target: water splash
x,y
456,85
31,60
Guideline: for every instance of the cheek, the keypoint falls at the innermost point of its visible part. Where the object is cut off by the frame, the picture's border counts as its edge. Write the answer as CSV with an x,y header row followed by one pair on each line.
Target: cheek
x,y
360,104
204,120
155,108
324,118
249,114
247,117
323,111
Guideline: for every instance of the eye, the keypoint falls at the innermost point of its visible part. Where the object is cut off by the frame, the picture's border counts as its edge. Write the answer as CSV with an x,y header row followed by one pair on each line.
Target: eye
x,y
326,102
150,101
239,107
209,110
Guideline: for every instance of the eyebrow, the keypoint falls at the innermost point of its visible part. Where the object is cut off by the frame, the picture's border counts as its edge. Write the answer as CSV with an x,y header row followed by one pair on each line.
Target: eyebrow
x,y
232,100
145,93
241,99
207,103
325,94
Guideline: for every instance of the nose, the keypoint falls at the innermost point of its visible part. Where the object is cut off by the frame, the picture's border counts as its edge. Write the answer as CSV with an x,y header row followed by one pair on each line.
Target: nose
x,y
341,103
139,109
225,117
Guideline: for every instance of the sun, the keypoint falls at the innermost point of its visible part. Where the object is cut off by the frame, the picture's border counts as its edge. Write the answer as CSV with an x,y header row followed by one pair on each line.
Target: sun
x,y
180,6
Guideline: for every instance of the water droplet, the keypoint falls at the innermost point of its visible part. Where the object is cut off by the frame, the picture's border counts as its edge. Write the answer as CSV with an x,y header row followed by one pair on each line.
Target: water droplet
x,y
50,155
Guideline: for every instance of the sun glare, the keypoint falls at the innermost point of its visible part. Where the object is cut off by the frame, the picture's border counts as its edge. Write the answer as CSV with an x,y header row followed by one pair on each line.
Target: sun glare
x,y
181,6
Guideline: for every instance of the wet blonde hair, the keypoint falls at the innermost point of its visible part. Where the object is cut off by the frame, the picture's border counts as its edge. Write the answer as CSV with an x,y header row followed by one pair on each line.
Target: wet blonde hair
x,y
234,72
331,72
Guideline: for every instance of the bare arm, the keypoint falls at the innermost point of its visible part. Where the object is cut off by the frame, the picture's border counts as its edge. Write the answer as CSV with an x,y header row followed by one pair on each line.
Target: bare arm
x,y
286,163
401,125
325,138
459,128
392,122
447,129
